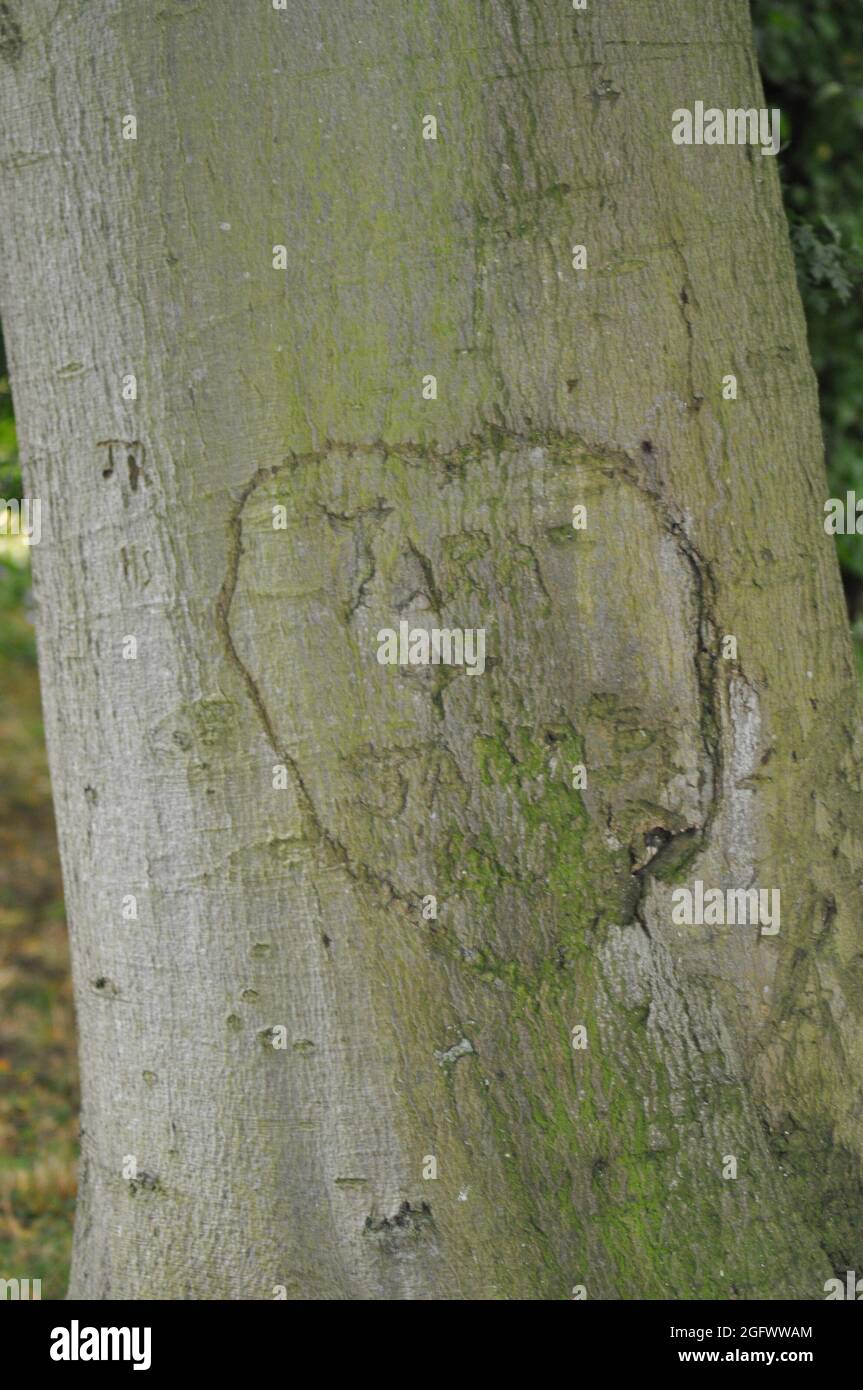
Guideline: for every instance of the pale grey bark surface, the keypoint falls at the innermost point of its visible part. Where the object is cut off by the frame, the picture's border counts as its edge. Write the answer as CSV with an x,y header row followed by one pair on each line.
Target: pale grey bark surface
x,y
300,908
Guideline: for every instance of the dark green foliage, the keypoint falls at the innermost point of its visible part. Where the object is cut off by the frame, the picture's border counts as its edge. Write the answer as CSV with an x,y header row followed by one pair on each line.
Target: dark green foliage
x,y
10,472
811,56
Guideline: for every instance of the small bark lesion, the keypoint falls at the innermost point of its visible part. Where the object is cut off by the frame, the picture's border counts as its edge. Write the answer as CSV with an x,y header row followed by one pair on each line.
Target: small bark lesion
x,y
404,1228
11,35
133,450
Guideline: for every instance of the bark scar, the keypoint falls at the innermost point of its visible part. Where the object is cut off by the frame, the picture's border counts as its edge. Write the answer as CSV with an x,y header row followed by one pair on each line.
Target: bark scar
x,y
682,844
672,846
314,829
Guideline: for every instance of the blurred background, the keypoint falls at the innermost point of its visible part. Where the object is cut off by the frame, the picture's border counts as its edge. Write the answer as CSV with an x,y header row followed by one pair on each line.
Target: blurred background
x,y
811,55
38,1093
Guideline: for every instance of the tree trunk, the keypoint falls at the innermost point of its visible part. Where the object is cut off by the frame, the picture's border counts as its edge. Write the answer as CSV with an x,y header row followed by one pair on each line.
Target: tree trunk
x,y
294,907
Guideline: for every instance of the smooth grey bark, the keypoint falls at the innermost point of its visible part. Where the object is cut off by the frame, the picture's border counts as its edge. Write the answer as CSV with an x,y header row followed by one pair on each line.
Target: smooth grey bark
x,y
299,907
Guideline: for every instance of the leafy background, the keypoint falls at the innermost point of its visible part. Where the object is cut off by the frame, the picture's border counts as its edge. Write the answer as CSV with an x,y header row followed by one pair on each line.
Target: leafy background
x,y
811,55
38,1085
